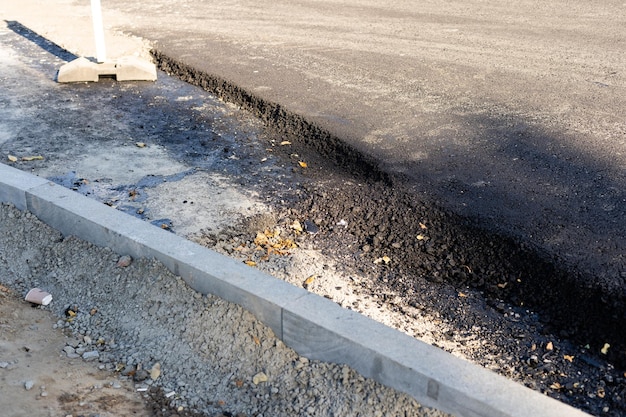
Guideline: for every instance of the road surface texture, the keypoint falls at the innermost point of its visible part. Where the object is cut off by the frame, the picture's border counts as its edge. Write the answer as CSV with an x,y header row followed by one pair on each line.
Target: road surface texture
x,y
485,147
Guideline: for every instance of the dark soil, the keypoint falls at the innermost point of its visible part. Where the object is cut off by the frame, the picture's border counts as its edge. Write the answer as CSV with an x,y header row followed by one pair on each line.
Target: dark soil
x,y
542,322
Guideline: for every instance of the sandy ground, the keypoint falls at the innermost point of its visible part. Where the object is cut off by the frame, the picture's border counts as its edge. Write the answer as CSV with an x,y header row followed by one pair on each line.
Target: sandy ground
x,y
38,379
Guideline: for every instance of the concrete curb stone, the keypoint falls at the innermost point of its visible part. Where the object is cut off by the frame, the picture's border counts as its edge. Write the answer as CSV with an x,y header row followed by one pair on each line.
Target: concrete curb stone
x,y
313,326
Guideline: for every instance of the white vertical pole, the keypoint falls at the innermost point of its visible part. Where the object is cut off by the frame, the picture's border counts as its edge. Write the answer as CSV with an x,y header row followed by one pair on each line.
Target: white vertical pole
x,y
98,30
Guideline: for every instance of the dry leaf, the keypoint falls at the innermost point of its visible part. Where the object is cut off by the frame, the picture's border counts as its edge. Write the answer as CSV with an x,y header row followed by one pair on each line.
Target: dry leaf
x,y
32,158
605,349
285,142
250,263
256,340
164,226
556,386
309,281
549,346
420,237
302,164
423,226
569,358
503,285
140,144
601,392
12,158
93,311
462,294
239,383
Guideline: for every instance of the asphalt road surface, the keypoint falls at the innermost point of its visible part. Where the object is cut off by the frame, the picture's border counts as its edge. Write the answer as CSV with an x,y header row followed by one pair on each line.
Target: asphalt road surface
x,y
509,112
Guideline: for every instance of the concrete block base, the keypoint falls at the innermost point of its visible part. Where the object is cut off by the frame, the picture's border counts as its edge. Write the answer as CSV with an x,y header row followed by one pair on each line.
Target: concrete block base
x,y
124,69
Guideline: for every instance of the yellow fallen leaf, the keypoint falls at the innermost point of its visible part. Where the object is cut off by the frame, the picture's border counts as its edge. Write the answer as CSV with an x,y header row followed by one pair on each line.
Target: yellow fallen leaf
x,y
569,358
420,237
12,158
309,281
32,158
250,263
386,259
285,142
549,346
556,386
423,226
302,164
605,349
462,294
140,144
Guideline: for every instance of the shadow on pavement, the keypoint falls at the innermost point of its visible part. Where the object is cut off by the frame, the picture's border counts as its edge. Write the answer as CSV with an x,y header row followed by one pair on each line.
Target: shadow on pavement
x,y
39,40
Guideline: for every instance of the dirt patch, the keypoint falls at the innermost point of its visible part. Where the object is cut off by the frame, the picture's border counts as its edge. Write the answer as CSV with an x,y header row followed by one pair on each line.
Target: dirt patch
x,y
34,369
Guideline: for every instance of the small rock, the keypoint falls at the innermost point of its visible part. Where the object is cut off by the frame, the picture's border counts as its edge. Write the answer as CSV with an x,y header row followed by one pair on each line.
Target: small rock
x,y
311,227
155,372
4,365
141,375
68,350
258,378
124,261
28,385
91,355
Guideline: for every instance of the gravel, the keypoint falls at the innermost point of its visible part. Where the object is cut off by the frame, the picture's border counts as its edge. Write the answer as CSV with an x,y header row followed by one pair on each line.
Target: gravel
x,y
200,353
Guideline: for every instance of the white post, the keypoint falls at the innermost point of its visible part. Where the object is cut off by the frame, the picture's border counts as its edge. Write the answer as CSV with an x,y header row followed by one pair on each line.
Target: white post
x,y
98,30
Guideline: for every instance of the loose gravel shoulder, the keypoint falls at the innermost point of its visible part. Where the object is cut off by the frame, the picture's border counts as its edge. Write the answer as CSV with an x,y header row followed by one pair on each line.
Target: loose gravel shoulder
x,y
193,352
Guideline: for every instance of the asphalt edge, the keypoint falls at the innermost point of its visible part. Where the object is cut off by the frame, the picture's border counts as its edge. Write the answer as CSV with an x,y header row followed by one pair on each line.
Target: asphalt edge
x,y
313,326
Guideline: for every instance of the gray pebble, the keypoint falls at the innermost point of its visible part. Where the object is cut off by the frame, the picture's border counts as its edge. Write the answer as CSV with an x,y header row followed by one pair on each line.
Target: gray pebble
x,y
91,355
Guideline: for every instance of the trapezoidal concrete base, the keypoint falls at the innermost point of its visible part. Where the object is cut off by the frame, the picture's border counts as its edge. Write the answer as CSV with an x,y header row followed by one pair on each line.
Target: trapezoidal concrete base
x,y
125,69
